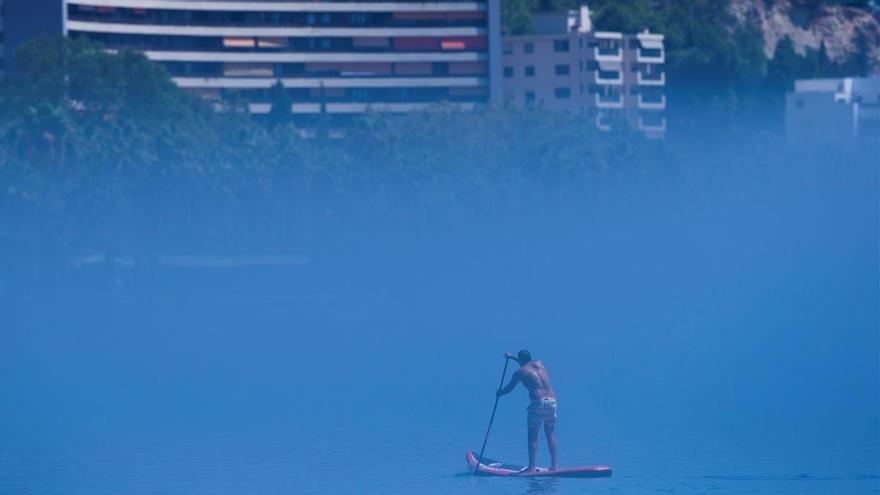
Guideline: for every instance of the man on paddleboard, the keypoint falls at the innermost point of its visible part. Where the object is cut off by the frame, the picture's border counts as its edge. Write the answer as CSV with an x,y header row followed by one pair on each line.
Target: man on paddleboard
x,y
542,410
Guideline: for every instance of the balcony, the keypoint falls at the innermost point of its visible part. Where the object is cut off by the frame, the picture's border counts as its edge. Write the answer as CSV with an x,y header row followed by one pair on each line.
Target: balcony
x,y
651,56
652,125
609,101
651,79
608,54
650,50
609,73
609,47
652,102
609,77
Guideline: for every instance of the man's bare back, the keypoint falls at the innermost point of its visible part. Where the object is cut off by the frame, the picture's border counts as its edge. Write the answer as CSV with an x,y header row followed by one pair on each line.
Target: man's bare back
x,y
536,380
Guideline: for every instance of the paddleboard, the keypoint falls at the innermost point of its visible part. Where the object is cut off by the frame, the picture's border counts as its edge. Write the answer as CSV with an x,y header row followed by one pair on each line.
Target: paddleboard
x,y
494,468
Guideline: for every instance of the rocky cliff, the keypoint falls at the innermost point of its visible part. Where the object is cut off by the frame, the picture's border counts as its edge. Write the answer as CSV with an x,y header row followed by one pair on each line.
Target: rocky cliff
x,y
809,22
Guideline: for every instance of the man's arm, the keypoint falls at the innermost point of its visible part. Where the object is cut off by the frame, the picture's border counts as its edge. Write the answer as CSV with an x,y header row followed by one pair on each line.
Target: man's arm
x,y
510,386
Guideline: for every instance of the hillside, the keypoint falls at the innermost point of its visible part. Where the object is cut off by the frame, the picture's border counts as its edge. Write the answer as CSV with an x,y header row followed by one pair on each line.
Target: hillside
x,y
809,23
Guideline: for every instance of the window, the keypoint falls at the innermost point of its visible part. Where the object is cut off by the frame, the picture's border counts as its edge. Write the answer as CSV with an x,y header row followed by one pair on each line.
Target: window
x,y
651,52
271,42
452,45
607,74
508,72
561,70
360,94
530,71
560,46
562,93
529,47
530,96
245,69
239,42
508,48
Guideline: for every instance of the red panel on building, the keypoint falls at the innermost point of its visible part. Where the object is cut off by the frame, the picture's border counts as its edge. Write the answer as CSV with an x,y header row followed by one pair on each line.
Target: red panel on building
x,y
464,43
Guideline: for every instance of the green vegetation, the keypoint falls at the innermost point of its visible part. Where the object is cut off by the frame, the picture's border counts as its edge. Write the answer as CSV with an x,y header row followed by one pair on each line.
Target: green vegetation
x,y
103,150
106,147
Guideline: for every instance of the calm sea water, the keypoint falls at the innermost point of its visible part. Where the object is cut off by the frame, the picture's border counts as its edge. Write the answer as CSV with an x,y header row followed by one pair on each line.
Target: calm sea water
x,y
176,402
721,347
431,462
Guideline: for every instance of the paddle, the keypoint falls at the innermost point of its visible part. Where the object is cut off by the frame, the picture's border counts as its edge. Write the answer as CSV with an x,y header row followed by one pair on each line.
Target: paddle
x,y
491,418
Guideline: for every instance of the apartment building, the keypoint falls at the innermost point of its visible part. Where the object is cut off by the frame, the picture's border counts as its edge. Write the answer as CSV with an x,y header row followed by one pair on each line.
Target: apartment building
x,y
338,56
564,65
834,113
334,56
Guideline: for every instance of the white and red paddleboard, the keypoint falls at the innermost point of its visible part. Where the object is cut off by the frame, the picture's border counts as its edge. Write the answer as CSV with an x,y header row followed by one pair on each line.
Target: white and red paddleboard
x,y
494,468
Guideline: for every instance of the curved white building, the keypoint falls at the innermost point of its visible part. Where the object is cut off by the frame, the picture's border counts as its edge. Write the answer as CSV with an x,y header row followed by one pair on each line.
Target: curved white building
x,y
344,56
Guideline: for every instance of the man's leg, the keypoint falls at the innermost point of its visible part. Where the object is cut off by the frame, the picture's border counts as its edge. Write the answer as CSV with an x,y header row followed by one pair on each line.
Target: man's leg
x,y
533,446
550,432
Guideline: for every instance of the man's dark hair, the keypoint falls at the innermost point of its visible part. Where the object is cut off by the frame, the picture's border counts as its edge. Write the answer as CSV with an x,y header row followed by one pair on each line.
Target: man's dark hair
x,y
524,356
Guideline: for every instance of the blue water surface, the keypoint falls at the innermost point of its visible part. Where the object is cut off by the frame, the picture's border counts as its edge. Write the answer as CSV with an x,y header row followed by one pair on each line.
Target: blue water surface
x,y
715,342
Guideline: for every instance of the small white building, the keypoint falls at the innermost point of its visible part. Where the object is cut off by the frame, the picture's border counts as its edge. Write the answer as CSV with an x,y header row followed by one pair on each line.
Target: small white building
x,y
616,79
833,113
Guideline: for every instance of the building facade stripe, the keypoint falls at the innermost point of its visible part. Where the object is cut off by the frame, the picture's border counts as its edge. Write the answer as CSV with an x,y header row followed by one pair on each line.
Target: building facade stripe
x,y
287,6
292,32
292,57
335,82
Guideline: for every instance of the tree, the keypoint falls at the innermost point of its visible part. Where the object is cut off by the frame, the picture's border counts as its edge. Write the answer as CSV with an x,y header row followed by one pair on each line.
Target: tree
x,y
516,18
628,17
281,112
860,63
784,67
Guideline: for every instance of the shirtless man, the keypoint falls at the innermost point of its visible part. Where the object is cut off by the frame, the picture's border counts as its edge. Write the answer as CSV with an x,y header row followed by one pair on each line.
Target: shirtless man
x,y
542,410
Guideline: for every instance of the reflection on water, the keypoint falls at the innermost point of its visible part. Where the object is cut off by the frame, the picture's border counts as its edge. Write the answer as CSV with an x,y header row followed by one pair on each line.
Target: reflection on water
x,y
542,486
